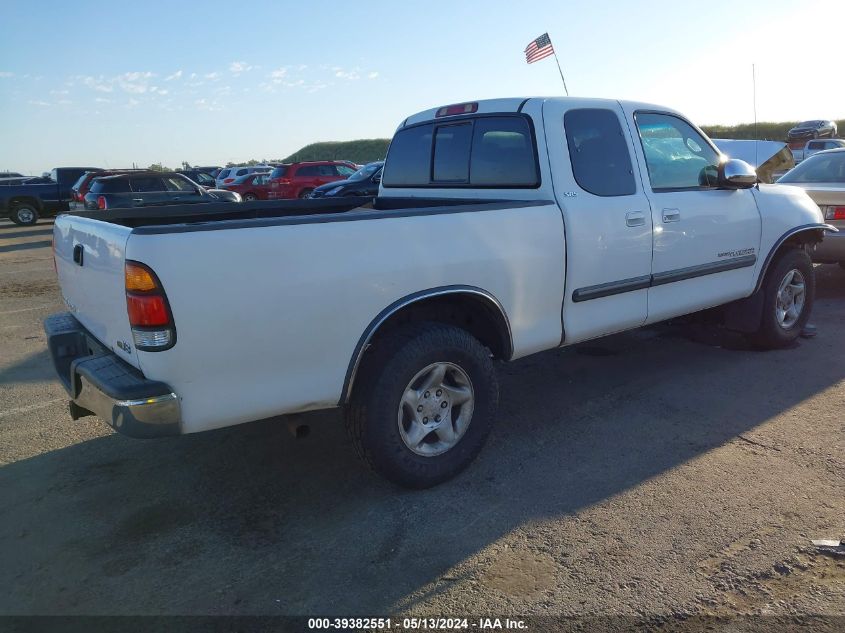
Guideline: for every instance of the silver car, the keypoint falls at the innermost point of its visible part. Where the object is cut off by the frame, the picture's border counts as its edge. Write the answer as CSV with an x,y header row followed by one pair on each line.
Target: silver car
x,y
822,176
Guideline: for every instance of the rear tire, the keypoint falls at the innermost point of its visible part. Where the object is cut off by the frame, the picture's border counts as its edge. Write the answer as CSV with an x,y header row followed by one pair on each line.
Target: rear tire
x,y
789,290
842,265
249,197
24,214
406,381
305,193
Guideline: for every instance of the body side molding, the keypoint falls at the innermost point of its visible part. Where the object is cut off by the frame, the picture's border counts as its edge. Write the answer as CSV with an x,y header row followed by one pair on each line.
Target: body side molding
x,y
394,307
790,233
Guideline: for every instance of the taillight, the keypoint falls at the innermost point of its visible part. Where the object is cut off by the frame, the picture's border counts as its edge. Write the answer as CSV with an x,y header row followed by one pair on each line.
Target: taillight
x,y
834,213
101,202
149,312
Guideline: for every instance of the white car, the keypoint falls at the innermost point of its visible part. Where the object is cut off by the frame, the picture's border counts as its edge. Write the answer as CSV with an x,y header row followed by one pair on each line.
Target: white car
x,y
815,146
503,228
228,175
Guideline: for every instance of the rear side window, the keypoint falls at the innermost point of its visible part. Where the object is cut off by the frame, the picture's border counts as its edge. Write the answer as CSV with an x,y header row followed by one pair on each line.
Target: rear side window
x,y
816,145
279,172
147,184
78,184
242,172
601,162
488,151
118,185
308,170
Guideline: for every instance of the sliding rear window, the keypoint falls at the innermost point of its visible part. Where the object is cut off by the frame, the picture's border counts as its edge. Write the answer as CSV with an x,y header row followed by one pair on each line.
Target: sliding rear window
x,y
483,152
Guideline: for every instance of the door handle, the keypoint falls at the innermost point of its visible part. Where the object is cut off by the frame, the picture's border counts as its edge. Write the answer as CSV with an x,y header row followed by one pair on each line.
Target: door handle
x,y
671,215
635,218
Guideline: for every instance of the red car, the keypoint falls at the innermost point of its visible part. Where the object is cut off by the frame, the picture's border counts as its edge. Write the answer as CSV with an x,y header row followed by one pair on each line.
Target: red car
x,y
251,186
298,180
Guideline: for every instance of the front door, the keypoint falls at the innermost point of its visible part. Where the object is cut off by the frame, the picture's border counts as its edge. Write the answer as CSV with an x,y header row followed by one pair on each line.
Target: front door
x,y
706,240
606,218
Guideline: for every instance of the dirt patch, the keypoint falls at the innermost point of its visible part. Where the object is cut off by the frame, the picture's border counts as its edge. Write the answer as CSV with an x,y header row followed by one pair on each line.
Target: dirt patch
x,y
19,290
520,572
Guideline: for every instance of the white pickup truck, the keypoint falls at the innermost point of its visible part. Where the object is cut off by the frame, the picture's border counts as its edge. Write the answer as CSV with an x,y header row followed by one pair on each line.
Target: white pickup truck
x,y
502,228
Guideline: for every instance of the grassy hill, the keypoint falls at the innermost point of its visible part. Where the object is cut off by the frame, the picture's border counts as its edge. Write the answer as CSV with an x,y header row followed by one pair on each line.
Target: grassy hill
x,y
361,151
766,131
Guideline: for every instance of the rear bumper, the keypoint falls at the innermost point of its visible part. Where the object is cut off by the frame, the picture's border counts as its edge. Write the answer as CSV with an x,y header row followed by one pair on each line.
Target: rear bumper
x,y
99,383
831,249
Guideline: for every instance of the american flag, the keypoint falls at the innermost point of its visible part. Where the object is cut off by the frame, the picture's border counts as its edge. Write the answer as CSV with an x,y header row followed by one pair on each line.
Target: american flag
x,y
539,48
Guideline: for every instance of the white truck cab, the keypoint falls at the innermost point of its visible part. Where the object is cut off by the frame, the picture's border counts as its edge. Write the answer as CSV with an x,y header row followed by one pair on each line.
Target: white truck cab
x,y
502,228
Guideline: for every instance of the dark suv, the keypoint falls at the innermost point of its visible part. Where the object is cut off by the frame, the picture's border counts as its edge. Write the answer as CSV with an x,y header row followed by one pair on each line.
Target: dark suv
x,y
808,130
298,180
149,188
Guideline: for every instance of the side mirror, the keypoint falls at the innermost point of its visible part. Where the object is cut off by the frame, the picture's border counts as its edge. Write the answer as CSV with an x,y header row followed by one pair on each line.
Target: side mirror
x,y
736,174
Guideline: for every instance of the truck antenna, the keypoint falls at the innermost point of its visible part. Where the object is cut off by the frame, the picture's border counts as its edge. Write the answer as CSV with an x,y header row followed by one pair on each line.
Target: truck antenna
x,y
754,102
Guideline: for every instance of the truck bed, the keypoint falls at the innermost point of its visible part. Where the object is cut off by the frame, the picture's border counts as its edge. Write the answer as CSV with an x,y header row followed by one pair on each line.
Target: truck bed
x,y
215,216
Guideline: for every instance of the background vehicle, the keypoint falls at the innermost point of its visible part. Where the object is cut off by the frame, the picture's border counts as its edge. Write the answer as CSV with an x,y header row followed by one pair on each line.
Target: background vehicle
x,y
298,180
83,183
363,182
251,187
150,188
809,130
200,177
229,174
395,310
10,174
822,176
26,202
811,147
34,180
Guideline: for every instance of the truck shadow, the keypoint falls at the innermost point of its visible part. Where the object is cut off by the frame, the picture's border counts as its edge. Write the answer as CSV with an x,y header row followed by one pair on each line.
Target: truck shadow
x,y
249,520
11,248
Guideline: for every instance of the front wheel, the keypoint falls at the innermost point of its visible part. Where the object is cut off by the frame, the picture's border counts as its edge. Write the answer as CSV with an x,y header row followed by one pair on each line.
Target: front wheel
x,y
249,197
24,214
305,193
423,404
788,294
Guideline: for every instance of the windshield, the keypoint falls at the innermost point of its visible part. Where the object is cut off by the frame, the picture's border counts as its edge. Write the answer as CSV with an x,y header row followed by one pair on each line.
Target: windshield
x,y
809,124
366,171
824,167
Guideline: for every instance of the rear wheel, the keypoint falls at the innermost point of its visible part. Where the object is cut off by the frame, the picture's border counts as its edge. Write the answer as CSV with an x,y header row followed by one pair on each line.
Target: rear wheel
x,y
423,404
788,294
24,214
305,193
842,265
249,197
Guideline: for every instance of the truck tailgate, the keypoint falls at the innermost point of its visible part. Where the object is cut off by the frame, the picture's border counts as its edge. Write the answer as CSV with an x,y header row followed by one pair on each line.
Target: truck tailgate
x,y
90,257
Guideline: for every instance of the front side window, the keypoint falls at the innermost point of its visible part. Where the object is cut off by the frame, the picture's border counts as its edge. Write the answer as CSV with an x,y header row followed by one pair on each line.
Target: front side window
x,y
176,183
601,162
677,156
308,171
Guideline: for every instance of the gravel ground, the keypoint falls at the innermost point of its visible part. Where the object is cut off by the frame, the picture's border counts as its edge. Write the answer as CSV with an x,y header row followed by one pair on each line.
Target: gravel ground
x,y
663,473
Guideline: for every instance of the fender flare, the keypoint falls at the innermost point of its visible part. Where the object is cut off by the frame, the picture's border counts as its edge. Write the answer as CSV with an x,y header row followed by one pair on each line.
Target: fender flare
x,y
396,306
780,242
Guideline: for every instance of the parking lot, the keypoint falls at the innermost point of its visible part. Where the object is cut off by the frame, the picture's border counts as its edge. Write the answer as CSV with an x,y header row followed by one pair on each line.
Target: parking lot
x,y
661,473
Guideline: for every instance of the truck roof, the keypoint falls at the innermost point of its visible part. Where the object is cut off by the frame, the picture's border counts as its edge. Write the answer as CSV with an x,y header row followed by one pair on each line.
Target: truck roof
x,y
517,104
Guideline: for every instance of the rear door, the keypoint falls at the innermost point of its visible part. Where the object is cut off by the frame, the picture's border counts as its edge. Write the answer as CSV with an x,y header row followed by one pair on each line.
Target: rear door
x,y
606,216
89,263
706,239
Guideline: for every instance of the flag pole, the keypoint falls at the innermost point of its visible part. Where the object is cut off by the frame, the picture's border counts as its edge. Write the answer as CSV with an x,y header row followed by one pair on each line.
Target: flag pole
x,y
559,70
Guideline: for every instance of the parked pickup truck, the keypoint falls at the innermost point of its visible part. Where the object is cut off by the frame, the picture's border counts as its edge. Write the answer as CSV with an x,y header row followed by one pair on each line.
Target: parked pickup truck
x,y
818,145
24,203
503,228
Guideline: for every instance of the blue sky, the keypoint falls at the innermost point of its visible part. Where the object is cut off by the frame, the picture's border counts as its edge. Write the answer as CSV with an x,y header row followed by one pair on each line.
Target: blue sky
x,y
107,83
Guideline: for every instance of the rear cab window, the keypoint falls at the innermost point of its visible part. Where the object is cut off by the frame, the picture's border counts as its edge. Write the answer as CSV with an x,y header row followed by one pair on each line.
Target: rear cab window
x,y
486,151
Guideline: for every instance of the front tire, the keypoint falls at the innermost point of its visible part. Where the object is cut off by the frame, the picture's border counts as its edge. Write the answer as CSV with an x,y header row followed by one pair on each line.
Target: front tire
x,y
24,214
423,404
788,294
249,197
305,193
